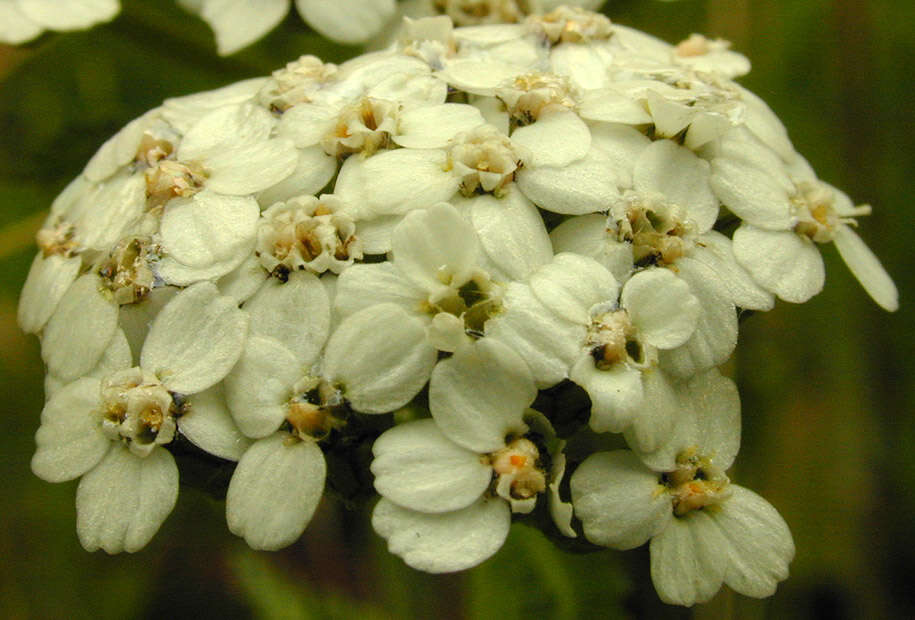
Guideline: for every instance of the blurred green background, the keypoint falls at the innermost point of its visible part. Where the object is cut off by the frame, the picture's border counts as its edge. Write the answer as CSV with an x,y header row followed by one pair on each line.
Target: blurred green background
x,y
827,387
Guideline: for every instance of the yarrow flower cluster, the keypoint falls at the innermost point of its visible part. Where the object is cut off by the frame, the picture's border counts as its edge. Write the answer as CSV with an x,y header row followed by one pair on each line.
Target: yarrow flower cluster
x,y
453,230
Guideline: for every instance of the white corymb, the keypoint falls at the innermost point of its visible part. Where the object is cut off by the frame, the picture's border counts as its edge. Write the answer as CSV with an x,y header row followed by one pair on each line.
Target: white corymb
x,y
110,431
704,531
449,484
785,214
239,23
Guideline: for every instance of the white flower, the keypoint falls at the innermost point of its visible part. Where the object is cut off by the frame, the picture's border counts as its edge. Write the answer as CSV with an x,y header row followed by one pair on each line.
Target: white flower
x,y
785,214
239,23
436,276
111,431
23,20
288,396
571,323
704,530
449,484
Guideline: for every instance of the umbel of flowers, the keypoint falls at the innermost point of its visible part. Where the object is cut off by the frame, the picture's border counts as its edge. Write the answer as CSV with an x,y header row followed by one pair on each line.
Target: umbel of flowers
x,y
453,231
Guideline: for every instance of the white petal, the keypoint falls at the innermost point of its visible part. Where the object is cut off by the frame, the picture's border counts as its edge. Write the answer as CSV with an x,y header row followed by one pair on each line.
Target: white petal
x,y
571,284
616,393
135,319
296,313
435,246
584,186
716,330
183,112
715,252
122,502
657,416
558,138
209,426
243,281
511,233
176,273
78,333
313,172
195,340
623,145
866,268
547,342
619,501
478,395
353,21
478,77
362,286
443,543
48,280
110,209
70,441
275,490
381,357
238,23
661,307
783,262
71,15
688,560
431,127
395,181
679,175
234,144
581,63
714,401
417,467
15,27
119,150
260,385
307,123
611,107
760,545
588,235
209,228
750,181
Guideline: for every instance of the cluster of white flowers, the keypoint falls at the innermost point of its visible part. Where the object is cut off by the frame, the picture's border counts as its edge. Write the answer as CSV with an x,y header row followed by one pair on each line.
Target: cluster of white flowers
x,y
442,230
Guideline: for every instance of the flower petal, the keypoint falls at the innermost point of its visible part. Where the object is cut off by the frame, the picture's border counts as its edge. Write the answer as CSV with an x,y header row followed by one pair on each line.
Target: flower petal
x,y
275,490
417,467
781,261
661,307
195,340
260,385
239,23
381,357
295,312
618,501
866,268
70,441
209,425
349,22
79,331
478,395
558,138
48,280
759,543
688,560
571,284
443,543
121,503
